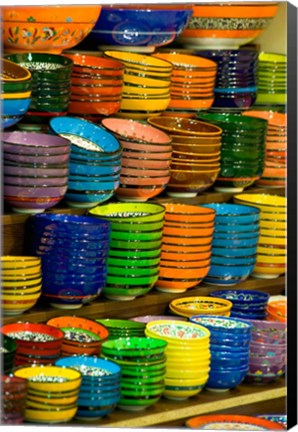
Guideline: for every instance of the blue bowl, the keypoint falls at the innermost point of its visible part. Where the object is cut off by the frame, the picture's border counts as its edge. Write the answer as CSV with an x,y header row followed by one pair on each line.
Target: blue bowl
x,y
235,90
93,178
220,341
239,100
242,296
235,228
73,280
236,242
228,356
98,170
9,121
225,379
234,252
15,107
92,185
236,235
228,261
75,199
74,245
105,399
94,362
231,271
86,156
224,325
229,351
93,414
72,291
135,26
226,363
101,139
249,315
75,271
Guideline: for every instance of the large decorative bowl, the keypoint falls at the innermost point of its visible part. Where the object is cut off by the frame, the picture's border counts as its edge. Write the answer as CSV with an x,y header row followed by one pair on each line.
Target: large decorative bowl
x,y
53,28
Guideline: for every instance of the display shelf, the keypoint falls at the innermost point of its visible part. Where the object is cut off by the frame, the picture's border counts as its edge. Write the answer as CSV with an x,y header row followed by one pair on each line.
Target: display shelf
x,y
205,402
153,303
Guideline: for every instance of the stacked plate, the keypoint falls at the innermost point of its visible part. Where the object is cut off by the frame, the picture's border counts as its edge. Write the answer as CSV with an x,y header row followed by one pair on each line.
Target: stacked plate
x,y
21,282
13,399
268,351
100,387
122,328
81,336
146,89
272,79
187,356
145,161
236,79
227,368
96,86
195,161
200,305
7,349
143,364
247,304
52,395
15,92
271,253
185,250
275,170
95,161
37,344
134,254
192,81
73,251
35,170
242,150
234,243
50,83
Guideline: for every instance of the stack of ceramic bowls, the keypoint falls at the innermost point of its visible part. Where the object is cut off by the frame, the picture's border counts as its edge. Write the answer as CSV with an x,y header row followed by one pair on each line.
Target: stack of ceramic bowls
x,y
268,351
234,243
35,170
272,79
187,354
143,364
200,305
100,387
146,89
96,86
54,28
7,349
242,150
52,395
236,79
21,281
122,328
14,394
73,251
194,166
277,310
247,304
95,161
271,253
37,344
134,254
274,174
226,25
81,336
139,28
192,81
15,92
145,161
50,83
229,347
186,247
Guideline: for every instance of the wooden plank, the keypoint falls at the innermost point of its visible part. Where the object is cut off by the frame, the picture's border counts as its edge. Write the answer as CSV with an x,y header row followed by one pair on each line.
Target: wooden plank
x,y
153,303
204,403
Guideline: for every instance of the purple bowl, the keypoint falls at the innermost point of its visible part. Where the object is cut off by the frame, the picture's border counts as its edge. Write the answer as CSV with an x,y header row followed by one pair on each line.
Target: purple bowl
x,y
34,181
52,159
276,370
33,142
269,330
267,349
264,361
31,205
149,318
34,192
34,172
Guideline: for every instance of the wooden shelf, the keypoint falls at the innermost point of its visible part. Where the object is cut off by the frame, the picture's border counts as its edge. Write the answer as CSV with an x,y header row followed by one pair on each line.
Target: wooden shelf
x,y
153,303
203,403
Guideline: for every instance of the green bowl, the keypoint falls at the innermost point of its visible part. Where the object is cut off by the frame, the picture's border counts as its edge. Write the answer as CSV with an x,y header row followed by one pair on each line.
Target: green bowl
x,y
121,324
126,293
230,171
142,378
140,391
132,212
136,237
16,87
234,121
133,262
125,281
135,254
275,98
134,347
135,245
243,140
137,404
132,271
57,67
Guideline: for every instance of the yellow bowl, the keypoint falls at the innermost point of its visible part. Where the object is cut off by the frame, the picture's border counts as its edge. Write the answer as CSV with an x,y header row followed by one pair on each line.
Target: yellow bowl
x,y
16,261
21,291
45,405
272,251
181,394
68,400
273,233
188,354
26,271
144,104
268,272
145,81
267,259
140,91
20,297
278,241
178,332
265,202
73,377
190,314
30,283
140,61
23,95
267,224
187,374
201,305
50,416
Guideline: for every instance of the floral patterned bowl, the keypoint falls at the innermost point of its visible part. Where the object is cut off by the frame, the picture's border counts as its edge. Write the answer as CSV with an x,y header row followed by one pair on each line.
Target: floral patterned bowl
x,y
51,29
178,332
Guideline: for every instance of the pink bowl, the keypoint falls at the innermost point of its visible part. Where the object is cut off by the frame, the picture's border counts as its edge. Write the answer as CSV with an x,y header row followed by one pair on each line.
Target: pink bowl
x,y
150,148
135,172
35,181
147,155
145,163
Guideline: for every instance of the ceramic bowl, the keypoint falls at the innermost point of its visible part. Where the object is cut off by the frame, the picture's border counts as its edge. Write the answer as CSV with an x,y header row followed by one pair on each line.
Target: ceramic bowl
x,y
14,392
268,332
190,306
185,127
122,328
69,26
9,347
120,31
225,379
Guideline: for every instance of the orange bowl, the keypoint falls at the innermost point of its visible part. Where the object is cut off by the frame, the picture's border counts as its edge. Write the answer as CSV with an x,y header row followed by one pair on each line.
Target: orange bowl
x,y
195,104
176,286
98,108
187,62
178,256
47,29
187,232
181,248
183,273
138,193
144,181
187,213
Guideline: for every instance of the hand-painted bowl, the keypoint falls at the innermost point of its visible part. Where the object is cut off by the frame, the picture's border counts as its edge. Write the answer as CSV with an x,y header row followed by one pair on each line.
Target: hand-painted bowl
x,y
177,333
52,30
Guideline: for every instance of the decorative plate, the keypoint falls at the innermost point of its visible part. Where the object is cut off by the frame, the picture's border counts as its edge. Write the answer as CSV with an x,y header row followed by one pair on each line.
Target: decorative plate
x,y
231,422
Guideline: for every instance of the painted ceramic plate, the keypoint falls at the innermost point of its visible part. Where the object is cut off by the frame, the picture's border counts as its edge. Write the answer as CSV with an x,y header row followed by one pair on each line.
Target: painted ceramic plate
x,y
232,422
